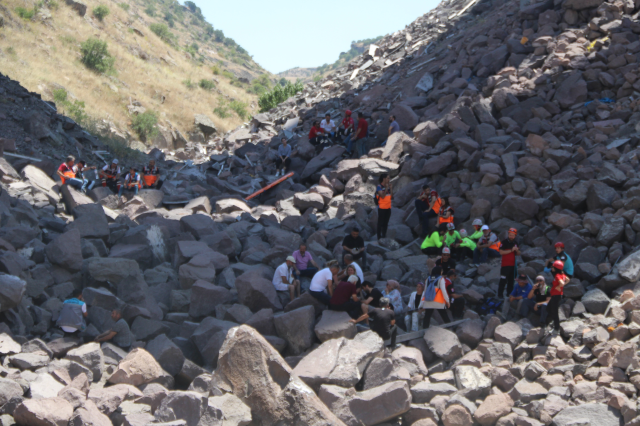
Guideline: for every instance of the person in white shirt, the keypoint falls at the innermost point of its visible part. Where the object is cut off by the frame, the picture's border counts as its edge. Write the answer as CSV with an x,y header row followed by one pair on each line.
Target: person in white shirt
x,y
329,126
323,280
348,261
131,183
283,278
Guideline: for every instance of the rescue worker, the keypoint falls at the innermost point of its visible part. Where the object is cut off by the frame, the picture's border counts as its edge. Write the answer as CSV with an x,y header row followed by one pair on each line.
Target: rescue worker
x,y
151,176
110,174
131,182
384,193
508,250
433,244
562,256
68,175
477,234
467,246
487,247
445,214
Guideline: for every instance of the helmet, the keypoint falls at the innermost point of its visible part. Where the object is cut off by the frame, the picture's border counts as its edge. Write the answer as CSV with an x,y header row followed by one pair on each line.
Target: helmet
x,y
463,233
446,250
451,226
559,245
348,112
558,265
513,231
477,222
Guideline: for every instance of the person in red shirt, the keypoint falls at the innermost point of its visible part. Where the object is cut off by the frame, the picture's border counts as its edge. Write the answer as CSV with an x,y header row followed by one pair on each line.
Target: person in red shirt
x,y
557,290
508,250
68,175
345,297
347,124
314,132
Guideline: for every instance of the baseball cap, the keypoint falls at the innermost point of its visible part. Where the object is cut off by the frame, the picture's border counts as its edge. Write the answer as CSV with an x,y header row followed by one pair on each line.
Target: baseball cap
x,y
291,259
463,233
484,228
114,161
540,277
522,277
446,250
353,279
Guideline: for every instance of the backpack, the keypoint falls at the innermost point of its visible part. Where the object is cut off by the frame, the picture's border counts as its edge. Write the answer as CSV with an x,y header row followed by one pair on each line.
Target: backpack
x,y
429,294
490,306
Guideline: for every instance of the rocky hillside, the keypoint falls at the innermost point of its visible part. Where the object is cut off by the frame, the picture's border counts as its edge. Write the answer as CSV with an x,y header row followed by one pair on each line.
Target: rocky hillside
x,y
522,115
167,60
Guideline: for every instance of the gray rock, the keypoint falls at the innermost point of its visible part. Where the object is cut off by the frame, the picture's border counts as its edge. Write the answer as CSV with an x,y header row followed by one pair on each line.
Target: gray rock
x,y
90,355
595,301
296,327
12,289
443,343
334,324
593,414
167,353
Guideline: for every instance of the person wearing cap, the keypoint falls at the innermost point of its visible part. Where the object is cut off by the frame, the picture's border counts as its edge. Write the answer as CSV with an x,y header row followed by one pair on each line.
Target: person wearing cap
x,y
347,125
562,256
432,245
131,183
445,215
110,175
487,247
518,295
303,258
354,245
537,300
383,321
424,210
456,301
384,194
348,261
345,297
477,233
283,278
446,262
452,240
413,318
556,292
508,250
467,246
329,126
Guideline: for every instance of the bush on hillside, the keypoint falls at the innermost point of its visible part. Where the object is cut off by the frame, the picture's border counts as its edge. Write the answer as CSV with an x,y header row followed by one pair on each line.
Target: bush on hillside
x,y
73,109
162,31
101,12
240,108
150,10
260,85
26,13
95,55
124,6
207,84
278,94
145,124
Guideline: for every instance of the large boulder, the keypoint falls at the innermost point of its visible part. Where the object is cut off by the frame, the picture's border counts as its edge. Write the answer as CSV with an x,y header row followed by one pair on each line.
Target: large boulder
x,y
492,408
139,367
65,250
188,406
12,289
325,158
167,353
257,292
629,267
471,382
44,412
571,90
519,208
296,327
443,343
593,414
595,301
254,372
335,324
90,355
91,221
205,297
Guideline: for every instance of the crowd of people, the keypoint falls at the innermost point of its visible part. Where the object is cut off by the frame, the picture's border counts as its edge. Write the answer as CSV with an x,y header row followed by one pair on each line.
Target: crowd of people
x,y
75,173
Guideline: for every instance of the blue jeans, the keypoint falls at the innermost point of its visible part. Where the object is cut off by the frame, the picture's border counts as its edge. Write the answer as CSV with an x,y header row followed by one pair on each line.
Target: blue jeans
x,y
361,146
527,306
483,255
349,143
321,296
122,188
80,184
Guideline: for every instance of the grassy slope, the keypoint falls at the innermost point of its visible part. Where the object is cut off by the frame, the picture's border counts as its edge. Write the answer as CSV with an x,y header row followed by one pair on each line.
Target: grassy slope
x,y
41,56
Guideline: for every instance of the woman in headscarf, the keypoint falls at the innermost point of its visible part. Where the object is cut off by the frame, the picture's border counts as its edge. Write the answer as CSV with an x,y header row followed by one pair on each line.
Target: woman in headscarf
x,y
392,291
414,317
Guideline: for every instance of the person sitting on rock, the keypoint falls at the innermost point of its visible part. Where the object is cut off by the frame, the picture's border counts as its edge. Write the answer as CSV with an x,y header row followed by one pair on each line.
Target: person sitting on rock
x,y
424,210
81,167
348,260
72,314
488,246
68,175
284,158
445,215
370,297
354,245
446,262
562,256
329,126
345,297
110,174
303,258
452,239
392,292
383,321
518,295
394,127
477,234
508,250
347,125
413,318
283,279
537,300
131,183
432,245
119,333
315,135
151,176
323,282
467,246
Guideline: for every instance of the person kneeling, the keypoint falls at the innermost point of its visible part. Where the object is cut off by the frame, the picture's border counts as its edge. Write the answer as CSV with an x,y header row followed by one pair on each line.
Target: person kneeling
x,y
383,321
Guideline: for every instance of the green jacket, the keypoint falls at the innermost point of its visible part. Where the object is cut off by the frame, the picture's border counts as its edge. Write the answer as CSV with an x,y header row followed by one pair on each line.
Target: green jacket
x,y
449,239
476,235
466,242
432,241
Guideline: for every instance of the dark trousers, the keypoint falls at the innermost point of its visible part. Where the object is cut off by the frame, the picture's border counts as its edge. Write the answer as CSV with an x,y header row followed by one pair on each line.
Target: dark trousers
x,y
461,253
456,308
426,321
287,163
309,272
321,296
351,307
383,222
112,184
424,218
393,332
552,311
431,251
507,277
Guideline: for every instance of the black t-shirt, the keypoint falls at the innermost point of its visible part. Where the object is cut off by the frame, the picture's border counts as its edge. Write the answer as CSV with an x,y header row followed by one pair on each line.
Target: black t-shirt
x,y
446,266
416,303
540,296
352,243
376,294
381,322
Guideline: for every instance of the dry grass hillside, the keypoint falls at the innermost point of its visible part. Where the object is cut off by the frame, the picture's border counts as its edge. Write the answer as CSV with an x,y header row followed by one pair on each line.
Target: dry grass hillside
x,y
43,53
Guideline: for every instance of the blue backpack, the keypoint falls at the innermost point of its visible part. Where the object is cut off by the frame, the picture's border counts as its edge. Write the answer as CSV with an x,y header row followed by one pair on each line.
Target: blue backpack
x,y
430,289
490,306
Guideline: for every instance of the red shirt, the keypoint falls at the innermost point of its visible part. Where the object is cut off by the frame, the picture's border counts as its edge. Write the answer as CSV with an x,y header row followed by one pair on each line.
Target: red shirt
x,y
64,168
508,259
347,121
450,290
343,292
314,131
556,290
363,129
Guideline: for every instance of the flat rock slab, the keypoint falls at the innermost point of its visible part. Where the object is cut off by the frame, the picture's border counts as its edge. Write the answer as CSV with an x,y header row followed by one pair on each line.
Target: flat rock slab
x,y
333,325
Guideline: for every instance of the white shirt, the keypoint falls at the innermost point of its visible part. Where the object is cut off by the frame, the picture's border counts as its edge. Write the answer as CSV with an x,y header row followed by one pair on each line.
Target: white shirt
x,y
319,280
73,329
282,271
358,271
328,127
108,168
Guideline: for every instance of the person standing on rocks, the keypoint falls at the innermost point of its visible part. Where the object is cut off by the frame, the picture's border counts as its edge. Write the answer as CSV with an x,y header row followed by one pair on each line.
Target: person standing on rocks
x,y
73,312
360,136
488,246
393,128
557,290
383,321
68,175
345,297
110,175
413,318
283,278
432,245
329,126
131,183
384,193
424,210
440,296
284,158
354,245
508,270
323,282
151,176
119,334
347,125
562,256
303,258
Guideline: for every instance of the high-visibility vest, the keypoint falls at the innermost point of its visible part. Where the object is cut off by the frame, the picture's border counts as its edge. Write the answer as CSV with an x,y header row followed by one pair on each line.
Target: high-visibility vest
x,y
437,205
496,246
150,180
67,175
385,202
439,297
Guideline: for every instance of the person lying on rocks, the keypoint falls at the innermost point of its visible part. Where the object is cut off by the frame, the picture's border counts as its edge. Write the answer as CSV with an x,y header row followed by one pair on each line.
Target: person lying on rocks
x,y
131,183
119,334
110,174
283,278
563,257
72,315
68,174
345,297
323,282
303,259
383,321
151,176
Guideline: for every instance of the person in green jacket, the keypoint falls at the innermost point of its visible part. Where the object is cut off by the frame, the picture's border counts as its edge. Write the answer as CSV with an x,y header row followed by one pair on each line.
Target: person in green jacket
x,y
467,246
434,242
477,224
452,236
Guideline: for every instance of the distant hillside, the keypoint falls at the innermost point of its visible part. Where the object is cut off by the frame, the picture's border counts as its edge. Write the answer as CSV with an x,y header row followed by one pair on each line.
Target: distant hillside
x,y
295,74
166,58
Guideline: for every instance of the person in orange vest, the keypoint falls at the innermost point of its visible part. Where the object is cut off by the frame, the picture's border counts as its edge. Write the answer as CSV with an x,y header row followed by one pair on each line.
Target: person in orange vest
x,y
110,175
508,250
424,210
441,299
488,246
151,176
131,182
445,214
68,175
383,198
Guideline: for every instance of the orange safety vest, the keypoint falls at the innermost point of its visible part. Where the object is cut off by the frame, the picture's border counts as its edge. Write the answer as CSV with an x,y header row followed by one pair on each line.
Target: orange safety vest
x,y
496,246
149,180
385,203
439,297
437,205
68,175
133,181
449,219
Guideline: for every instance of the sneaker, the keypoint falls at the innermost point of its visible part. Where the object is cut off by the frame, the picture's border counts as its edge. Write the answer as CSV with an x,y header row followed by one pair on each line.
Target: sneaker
x,y
284,172
277,173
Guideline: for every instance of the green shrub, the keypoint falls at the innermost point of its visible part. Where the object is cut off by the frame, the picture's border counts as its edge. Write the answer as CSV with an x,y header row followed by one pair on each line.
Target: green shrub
x,y
162,31
260,85
124,6
150,10
189,83
73,109
207,84
53,4
278,94
240,108
221,111
25,13
95,55
145,124
215,69
101,12
168,16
